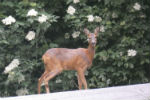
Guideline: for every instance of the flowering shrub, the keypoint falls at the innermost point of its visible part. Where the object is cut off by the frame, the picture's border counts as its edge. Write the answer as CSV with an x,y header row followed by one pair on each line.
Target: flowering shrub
x,y
22,29
29,28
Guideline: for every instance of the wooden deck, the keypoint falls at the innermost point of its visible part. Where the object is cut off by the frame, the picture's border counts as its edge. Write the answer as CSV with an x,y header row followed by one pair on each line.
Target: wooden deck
x,y
130,92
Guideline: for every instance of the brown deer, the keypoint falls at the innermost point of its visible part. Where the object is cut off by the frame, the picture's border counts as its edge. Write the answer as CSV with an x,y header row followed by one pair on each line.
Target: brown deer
x,y
58,59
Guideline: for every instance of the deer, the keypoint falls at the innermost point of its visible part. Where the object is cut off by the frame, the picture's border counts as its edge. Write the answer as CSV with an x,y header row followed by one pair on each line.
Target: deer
x,y
58,59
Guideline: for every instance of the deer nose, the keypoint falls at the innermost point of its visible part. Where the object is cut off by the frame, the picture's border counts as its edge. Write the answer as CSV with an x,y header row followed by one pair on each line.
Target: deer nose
x,y
93,43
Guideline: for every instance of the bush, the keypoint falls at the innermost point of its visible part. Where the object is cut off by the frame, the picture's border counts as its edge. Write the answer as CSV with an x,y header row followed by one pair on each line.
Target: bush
x,y
122,52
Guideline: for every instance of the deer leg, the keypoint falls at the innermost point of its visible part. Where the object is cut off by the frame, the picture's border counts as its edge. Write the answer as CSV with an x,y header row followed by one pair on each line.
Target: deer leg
x,y
46,87
79,83
49,76
82,77
40,82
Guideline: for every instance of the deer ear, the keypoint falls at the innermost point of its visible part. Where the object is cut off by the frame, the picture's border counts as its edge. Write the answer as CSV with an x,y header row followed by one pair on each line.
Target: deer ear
x,y
96,31
86,31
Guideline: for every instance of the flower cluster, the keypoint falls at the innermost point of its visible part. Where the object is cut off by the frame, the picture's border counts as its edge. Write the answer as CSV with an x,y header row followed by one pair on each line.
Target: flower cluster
x,y
137,6
42,18
15,63
92,18
11,76
67,36
76,1
114,15
131,52
102,28
98,19
9,20
120,53
32,12
58,81
71,10
22,91
75,34
30,36
143,16
21,78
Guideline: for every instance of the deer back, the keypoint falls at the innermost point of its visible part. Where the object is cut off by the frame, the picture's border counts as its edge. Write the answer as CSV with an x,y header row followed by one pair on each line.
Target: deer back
x,y
67,59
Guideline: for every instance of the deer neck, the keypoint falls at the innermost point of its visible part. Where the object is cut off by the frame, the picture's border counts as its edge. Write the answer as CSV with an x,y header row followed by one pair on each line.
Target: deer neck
x,y
91,52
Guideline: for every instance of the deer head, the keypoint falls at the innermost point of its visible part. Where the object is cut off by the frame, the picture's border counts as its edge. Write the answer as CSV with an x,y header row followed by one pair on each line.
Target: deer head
x,y
92,36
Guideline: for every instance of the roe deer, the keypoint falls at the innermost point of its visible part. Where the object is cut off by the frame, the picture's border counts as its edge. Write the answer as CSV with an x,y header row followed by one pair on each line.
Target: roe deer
x,y
58,59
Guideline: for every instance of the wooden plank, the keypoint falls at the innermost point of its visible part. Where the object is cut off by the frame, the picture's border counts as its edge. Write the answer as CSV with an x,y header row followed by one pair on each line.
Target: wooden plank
x,y
130,92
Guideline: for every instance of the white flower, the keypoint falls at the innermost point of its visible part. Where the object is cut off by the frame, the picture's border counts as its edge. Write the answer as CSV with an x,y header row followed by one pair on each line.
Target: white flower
x,y
102,28
120,53
108,81
22,91
75,34
30,36
11,76
42,18
71,10
9,20
76,1
15,63
90,18
98,19
67,36
143,16
137,6
131,52
21,78
32,12
58,81
114,15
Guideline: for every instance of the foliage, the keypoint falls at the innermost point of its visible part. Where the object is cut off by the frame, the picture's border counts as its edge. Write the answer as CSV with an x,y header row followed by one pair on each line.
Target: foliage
x,y
123,28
